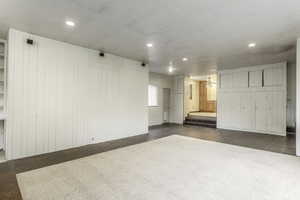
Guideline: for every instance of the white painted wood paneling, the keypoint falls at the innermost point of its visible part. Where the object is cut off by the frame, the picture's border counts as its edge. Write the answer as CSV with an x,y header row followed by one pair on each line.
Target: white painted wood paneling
x,y
63,96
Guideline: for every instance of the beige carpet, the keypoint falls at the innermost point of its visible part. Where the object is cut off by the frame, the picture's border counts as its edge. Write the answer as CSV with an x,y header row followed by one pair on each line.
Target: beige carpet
x,y
172,168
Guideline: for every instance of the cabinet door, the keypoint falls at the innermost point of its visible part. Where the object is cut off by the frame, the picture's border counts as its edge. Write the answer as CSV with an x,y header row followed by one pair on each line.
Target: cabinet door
x,y
261,111
277,107
273,76
240,79
224,110
234,106
226,81
247,111
255,78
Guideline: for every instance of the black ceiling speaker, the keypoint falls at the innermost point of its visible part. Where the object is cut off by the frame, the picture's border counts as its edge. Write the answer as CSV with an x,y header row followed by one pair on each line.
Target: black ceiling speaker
x,y
143,64
29,41
101,54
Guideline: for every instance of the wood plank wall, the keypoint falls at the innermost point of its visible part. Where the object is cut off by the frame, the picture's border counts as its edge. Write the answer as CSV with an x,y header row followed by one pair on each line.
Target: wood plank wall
x,y
63,96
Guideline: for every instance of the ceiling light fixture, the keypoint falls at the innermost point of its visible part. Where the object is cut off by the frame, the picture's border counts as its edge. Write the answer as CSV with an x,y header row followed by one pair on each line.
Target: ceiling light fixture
x,y
184,59
171,69
149,45
251,45
70,23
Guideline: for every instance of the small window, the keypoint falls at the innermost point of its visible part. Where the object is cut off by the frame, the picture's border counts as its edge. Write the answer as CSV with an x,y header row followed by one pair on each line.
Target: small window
x,y
152,95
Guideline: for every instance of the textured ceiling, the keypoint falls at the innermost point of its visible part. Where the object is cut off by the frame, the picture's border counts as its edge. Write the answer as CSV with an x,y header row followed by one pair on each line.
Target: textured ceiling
x,y
211,33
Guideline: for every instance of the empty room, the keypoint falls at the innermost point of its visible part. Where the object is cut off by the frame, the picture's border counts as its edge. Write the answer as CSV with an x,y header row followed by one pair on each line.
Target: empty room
x,y
149,100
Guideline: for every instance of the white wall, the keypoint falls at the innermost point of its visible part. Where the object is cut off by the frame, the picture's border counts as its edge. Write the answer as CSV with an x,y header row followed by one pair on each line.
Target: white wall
x,y
156,112
191,105
62,96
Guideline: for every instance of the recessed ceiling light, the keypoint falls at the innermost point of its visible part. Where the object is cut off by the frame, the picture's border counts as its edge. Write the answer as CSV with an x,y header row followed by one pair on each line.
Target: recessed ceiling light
x,y
251,45
70,23
184,59
149,45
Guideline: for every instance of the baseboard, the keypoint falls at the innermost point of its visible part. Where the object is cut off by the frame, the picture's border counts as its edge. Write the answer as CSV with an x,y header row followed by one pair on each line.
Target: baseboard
x,y
253,131
160,125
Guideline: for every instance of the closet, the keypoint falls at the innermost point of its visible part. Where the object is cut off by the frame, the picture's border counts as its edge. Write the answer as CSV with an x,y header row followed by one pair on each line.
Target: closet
x,y
253,99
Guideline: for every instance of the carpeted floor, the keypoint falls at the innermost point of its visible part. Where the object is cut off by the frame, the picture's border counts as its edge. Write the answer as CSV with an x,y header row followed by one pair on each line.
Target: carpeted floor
x,y
171,168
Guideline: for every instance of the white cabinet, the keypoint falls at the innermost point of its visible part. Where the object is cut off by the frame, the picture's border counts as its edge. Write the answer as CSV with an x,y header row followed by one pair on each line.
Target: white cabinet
x,y
277,111
234,80
261,111
253,99
255,78
247,111
224,109
226,81
273,76
270,111
236,110
240,79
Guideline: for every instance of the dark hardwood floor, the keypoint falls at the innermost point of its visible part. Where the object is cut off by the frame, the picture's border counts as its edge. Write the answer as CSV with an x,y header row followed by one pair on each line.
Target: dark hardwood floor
x,y
8,170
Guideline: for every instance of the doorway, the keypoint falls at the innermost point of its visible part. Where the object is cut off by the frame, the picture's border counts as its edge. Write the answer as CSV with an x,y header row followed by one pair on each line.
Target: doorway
x,y
201,100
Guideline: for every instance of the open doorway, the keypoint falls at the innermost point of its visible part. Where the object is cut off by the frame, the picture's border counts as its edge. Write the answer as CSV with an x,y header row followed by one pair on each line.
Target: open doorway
x,y
201,100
